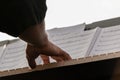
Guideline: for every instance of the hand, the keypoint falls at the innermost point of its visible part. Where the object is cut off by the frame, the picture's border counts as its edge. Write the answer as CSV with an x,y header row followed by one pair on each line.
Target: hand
x,y
55,52
39,45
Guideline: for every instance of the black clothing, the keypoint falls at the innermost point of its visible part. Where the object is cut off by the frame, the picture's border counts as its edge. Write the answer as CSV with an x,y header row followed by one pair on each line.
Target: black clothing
x,y
18,15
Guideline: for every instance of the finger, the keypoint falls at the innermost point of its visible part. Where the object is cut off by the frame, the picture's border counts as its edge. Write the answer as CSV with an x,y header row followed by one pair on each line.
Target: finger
x,y
65,56
45,59
31,55
31,62
58,59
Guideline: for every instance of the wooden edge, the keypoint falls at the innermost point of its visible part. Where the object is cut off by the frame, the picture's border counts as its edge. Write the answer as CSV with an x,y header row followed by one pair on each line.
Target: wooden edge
x,y
61,64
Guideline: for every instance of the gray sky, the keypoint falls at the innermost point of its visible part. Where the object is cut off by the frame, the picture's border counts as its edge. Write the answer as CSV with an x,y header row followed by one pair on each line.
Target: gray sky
x,y
63,13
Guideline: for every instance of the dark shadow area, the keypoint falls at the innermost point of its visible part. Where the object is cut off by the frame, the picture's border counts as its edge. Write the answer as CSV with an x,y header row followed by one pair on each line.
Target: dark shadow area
x,y
100,70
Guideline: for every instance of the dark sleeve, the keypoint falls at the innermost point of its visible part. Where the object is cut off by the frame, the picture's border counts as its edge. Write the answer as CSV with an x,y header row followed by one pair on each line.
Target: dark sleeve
x,y
17,15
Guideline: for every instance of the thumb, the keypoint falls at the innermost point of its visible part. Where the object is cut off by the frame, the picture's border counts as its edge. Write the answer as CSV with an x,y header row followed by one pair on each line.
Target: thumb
x,y
31,55
31,62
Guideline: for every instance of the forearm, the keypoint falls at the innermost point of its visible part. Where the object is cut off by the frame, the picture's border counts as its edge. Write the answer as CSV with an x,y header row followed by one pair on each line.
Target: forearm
x,y
35,35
